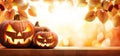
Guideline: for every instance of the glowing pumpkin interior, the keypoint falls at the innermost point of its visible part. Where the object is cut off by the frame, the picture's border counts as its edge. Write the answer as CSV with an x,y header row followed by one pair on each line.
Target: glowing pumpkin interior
x,y
17,37
42,41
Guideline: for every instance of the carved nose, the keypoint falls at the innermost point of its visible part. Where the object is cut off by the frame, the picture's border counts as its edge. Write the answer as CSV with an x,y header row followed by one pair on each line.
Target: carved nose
x,y
19,34
45,40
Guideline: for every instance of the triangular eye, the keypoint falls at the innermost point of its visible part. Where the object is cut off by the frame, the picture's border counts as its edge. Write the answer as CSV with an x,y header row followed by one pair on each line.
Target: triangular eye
x,y
10,29
39,37
28,29
51,37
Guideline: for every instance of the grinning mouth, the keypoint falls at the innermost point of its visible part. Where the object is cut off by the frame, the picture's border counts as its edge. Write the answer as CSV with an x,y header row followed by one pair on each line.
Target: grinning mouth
x,y
16,41
44,44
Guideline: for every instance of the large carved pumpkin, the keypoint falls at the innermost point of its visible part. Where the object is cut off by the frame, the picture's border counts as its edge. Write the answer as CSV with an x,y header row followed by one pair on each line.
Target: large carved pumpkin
x,y
16,33
45,40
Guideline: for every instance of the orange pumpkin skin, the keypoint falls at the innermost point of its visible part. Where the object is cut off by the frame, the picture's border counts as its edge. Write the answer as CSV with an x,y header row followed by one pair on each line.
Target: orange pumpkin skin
x,y
45,40
40,29
16,33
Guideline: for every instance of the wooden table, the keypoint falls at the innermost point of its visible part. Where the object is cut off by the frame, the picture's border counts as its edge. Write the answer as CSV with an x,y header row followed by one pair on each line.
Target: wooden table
x,y
62,51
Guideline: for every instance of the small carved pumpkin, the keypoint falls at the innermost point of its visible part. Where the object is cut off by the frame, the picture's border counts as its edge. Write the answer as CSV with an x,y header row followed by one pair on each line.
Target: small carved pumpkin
x,y
16,33
45,40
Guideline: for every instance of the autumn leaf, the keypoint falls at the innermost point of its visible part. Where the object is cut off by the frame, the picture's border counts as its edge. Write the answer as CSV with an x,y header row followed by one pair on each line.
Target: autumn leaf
x,y
95,3
102,15
82,3
17,1
23,7
22,14
117,1
90,16
107,5
9,14
113,12
32,11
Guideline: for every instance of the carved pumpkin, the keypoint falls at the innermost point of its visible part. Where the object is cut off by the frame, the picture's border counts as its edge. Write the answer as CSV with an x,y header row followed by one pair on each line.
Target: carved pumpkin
x,y
40,29
16,33
45,40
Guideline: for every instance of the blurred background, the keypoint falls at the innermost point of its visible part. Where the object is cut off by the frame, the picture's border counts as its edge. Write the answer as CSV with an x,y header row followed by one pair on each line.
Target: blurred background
x,y
78,23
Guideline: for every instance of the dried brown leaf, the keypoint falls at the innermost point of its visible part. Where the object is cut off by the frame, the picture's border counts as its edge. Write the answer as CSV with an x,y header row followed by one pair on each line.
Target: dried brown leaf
x,y
113,12
107,5
90,16
102,15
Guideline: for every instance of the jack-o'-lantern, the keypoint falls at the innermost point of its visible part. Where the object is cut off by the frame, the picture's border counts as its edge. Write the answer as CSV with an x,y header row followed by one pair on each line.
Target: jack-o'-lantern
x,y
16,33
38,28
45,40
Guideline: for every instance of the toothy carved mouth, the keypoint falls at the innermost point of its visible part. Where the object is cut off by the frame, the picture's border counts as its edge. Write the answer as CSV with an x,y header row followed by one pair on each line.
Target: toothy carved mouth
x,y
44,44
16,41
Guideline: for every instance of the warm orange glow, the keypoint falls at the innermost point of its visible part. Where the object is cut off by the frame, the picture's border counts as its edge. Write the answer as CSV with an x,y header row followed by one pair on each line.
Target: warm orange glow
x,y
106,42
16,41
109,25
19,34
51,37
28,29
44,44
65,42
66,18
10,29
39,37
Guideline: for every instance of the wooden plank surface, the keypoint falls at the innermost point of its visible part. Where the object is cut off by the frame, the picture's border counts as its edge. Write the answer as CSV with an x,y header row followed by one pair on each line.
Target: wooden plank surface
x,y
61,51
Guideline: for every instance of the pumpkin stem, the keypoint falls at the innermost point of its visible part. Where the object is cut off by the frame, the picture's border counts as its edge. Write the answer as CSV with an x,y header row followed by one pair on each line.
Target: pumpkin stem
x,y
17,17
37,24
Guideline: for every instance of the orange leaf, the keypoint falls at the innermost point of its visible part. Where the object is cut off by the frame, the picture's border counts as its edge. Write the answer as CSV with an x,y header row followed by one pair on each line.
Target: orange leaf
x,y
107,5
9,6
17,1
82,2
90,16
113,12
102,15
10,14
32,11
94,3
23,7
23,14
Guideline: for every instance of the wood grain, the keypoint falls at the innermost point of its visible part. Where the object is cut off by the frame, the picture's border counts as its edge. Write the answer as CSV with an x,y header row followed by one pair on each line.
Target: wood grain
x,y
61,51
